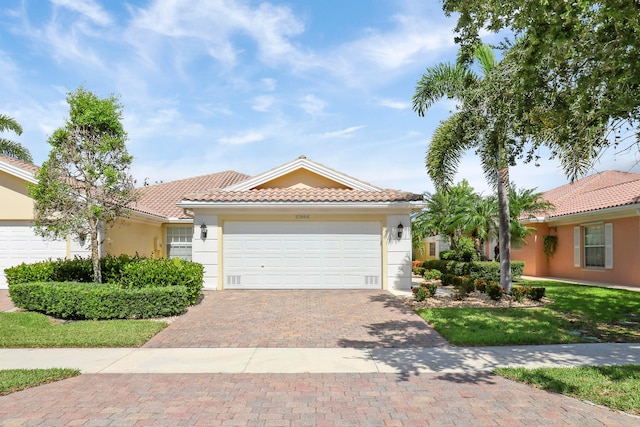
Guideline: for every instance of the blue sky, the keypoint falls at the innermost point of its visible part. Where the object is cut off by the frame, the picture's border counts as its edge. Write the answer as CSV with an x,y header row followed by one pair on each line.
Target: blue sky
x,y
213,85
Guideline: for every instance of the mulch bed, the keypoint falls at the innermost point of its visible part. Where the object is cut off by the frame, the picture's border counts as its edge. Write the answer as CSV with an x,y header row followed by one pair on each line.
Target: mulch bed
x,y
445,298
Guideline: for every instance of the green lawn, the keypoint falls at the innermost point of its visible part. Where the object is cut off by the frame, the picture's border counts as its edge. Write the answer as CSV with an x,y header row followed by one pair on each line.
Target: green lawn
x,y
617,387
12,380
34,330
578,314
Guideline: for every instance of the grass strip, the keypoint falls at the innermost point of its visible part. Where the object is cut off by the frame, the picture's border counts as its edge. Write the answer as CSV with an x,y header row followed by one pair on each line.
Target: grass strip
x,y
498,326
617,387
35,330
12,380
577,314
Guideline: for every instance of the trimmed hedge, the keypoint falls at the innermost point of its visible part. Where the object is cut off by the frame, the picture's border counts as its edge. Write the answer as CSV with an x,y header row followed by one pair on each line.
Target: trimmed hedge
x,y
124,270
162,272
134,287
80,301
69,270
487,270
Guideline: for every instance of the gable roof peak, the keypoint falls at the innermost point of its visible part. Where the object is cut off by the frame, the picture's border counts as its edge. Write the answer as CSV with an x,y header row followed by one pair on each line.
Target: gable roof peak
x,y
302,162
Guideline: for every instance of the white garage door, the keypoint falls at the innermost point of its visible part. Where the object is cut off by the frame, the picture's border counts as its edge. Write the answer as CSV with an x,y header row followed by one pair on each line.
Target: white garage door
x,y
19,244
302,255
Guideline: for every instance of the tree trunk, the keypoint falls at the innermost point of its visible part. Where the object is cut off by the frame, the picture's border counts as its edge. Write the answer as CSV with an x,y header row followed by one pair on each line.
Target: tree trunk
x,y
95,256
504,228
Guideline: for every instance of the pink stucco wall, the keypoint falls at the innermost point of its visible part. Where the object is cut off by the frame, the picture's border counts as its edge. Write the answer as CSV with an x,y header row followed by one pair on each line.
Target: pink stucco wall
x,y
626,254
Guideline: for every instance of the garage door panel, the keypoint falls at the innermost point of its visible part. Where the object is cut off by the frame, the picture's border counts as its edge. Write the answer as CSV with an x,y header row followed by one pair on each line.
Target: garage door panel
x,y
278,255
19,243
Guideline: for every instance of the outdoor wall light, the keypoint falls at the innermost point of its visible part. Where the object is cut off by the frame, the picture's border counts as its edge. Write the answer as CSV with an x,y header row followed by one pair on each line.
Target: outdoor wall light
x,y
203,231
399,228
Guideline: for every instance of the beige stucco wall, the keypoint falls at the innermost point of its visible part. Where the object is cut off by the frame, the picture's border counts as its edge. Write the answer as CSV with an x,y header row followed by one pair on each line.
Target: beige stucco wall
x,y
301,178
130,237
15,202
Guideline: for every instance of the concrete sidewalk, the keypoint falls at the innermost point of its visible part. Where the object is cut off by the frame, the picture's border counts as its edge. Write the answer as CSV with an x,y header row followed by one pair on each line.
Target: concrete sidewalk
x,y
319,360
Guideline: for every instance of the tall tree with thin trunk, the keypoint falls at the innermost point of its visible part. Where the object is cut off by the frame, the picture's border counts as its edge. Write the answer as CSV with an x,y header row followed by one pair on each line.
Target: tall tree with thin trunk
x,y
9,147
471,127
569,71
85,184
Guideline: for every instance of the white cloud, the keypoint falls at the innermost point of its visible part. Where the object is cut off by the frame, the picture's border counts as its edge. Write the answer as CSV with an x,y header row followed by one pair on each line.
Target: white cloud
x,y
342,133
68,45
312,105
242,138
394,104
88,8
263,103
269,84
164,124
216,22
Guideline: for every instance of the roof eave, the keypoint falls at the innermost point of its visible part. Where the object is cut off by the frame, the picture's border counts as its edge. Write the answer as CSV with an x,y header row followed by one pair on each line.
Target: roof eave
x,y
191,204
631,209
18,172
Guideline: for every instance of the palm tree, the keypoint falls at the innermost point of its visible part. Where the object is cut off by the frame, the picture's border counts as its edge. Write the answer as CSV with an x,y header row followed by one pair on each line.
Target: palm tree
x,y
524,204
446,214
11,148
480,221
472,126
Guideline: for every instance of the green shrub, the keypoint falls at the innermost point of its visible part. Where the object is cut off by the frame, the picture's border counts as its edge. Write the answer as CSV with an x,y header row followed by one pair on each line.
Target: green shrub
x,y
518,293
478,269
459,293
494,290
69,270
420,293
447,279
535,294
447,255
123,270
162,272
418,271
468,284
481,285
38,272
430,287
432,274
69,300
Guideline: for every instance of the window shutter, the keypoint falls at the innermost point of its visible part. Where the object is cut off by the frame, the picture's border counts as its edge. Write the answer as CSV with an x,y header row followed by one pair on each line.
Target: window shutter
x,y
576,246
608,245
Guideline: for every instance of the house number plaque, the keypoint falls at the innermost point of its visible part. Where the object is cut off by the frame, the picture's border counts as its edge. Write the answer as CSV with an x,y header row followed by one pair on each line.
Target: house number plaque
x,y
303,216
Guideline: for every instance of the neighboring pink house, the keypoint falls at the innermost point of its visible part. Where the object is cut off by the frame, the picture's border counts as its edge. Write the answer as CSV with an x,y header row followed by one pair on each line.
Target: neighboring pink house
x,y
596,224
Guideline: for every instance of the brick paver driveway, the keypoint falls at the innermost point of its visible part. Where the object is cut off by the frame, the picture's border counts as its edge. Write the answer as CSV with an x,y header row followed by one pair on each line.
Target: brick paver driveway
x,y
5,301
296,400
298,318
365,319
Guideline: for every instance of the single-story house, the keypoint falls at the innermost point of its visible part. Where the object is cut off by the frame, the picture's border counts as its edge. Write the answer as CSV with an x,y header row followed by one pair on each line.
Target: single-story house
x,y
592,234
299,225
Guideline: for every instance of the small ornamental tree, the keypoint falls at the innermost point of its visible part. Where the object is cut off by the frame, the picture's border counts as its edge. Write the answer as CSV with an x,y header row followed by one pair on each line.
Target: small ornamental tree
x,y
85,184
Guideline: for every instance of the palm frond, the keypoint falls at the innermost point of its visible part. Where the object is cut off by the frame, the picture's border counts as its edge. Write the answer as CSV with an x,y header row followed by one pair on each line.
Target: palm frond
x,y
447,146
439,81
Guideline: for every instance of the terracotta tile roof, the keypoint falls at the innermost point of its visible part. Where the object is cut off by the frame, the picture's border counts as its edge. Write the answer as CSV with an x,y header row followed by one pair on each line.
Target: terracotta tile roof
x,y
303,195
161,199
29,167
598,191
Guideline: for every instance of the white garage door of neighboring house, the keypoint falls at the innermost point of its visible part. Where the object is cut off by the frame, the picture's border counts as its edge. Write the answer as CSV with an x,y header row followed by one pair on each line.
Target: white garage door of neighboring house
x,y
19,244
302,255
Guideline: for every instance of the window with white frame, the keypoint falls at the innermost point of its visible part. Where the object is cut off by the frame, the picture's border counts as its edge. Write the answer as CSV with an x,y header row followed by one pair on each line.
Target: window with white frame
x,y
179,242
595,243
